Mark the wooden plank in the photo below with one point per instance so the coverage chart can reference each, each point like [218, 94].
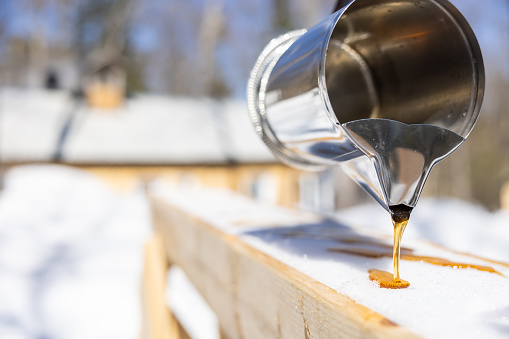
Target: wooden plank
[157, 320]
[504, 197]
[257, 296]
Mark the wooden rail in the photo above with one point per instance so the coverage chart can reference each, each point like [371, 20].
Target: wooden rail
[158, 321]
[255, 295]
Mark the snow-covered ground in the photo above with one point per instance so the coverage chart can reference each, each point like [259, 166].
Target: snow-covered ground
[71, 255]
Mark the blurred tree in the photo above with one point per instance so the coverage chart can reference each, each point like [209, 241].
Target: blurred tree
[101, 23]
[479, 168]
[210, 33]
[107, 24]
[282, 18]
[189, 36]
[3, 41]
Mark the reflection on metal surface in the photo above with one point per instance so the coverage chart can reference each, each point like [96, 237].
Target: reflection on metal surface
[384, 88]
[403, 155]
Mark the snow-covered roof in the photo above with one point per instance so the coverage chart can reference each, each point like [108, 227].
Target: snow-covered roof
[147, 130]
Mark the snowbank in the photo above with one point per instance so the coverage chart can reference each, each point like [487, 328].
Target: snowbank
[70, 256]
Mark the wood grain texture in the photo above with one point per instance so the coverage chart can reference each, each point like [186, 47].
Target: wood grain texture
[256, 296]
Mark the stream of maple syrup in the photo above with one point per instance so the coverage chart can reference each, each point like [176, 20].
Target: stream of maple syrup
[400, 215]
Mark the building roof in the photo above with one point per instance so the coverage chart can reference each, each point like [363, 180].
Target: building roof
[147, 130]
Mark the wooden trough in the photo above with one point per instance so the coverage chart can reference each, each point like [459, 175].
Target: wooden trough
[253, 294]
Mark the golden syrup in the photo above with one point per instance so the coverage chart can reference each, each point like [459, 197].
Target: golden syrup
[400, 215]
[407, 255]
[386, 279]
[399, 228]
[448, 263]
[478, 257]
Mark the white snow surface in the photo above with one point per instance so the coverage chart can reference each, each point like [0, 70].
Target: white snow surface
[189, 307]
[442, 302]
[71, 254]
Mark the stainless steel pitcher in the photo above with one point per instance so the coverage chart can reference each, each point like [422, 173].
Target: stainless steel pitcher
[384, 88]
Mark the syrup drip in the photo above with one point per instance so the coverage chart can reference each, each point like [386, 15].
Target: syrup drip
[400, 215]
[399, 228]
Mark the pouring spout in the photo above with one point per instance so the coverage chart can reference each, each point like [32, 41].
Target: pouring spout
[402, 155]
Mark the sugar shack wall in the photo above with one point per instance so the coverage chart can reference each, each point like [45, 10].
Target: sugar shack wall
[273, 183]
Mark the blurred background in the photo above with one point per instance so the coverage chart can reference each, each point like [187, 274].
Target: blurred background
[121, 92]
[162, 82]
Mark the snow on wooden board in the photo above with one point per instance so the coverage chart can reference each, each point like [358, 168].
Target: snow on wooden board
[442, 302]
